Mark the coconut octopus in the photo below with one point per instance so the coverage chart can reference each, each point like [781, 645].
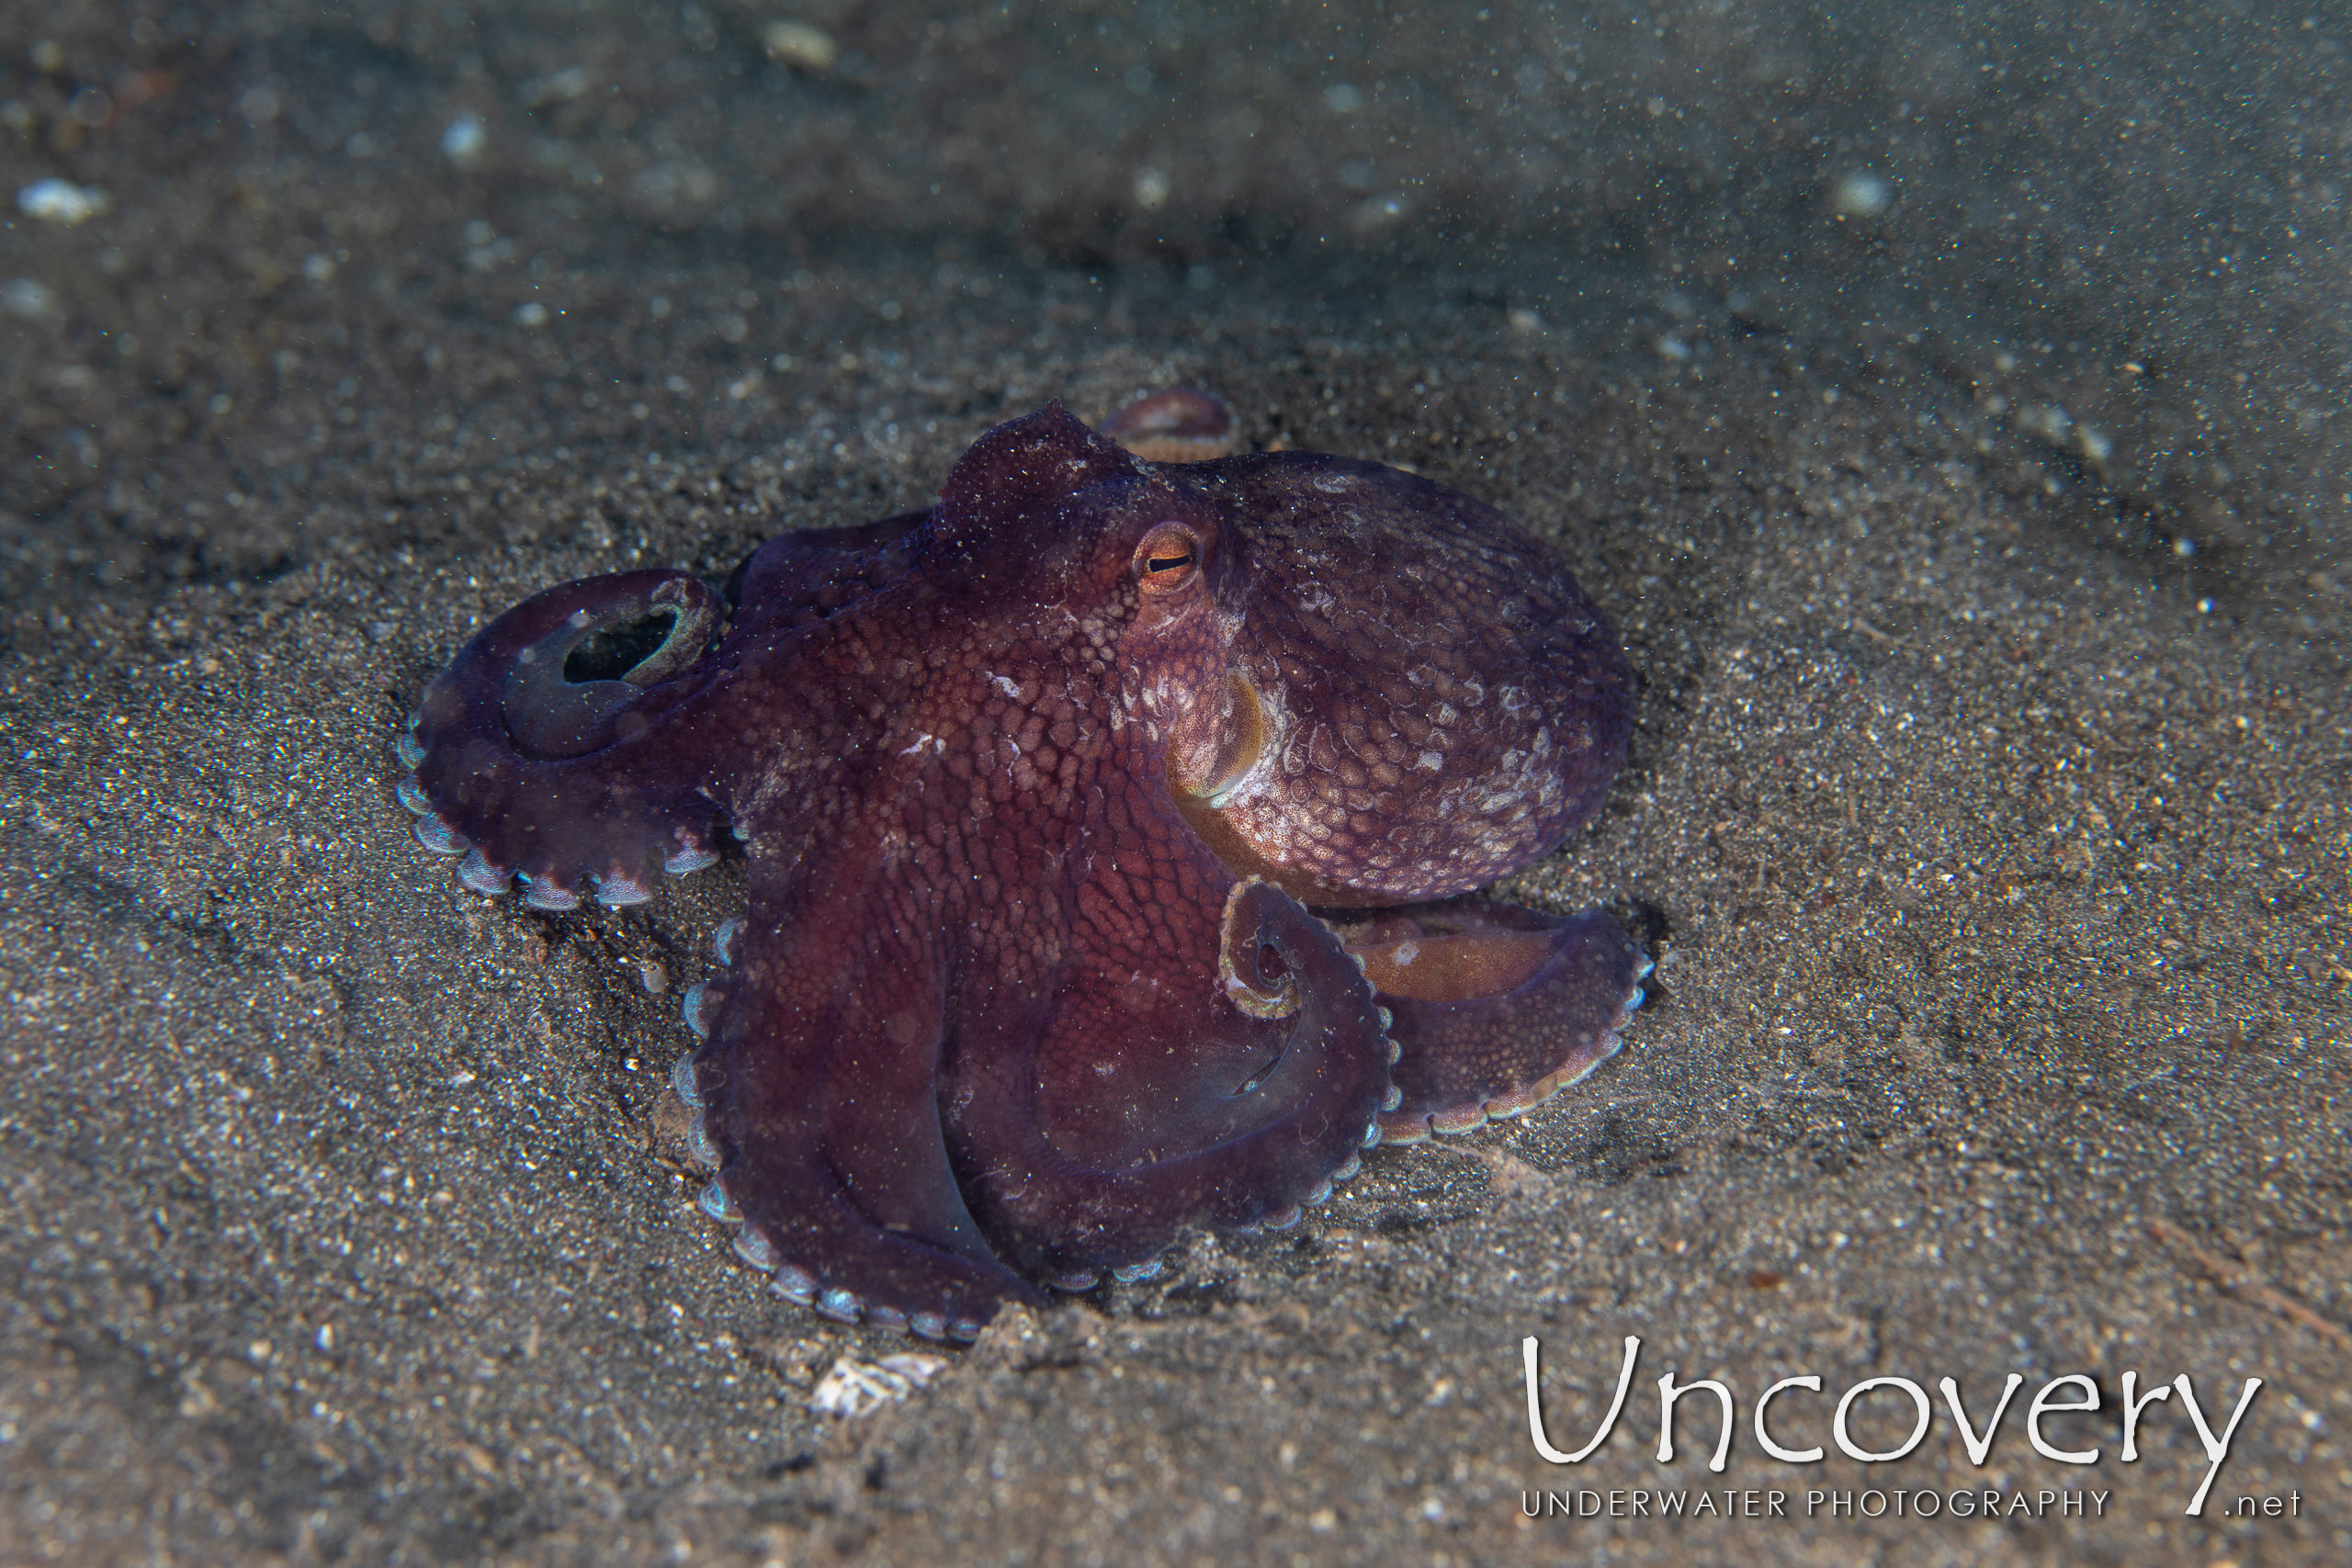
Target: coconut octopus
[1105, 827]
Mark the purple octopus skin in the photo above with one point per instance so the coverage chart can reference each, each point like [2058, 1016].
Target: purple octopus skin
[1104, 826]
[1177, 425]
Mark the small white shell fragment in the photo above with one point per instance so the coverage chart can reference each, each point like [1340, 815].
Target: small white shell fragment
[62, 201]
[797, 43]
[857, 1388]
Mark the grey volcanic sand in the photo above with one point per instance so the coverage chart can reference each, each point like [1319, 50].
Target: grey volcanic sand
[1980, 536]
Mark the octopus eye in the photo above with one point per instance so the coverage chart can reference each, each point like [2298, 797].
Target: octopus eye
[1167, 557]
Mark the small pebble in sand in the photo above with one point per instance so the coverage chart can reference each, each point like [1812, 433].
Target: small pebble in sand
[463, 140]
[2045, 422]
[61, 201]
[557, 87]
[1379, 213]
[798, 44]
[27, 298]
[1860, 194]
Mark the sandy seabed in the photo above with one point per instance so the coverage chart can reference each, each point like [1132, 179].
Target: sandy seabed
[1946, 406]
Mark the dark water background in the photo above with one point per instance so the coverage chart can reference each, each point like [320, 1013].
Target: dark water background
[1947, 402]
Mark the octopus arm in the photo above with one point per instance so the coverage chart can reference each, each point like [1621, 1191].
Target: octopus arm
[573, 742]
[1494, 1007]
[820, 1087]
[1209, 1055]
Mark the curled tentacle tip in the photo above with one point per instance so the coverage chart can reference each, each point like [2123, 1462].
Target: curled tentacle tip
[698, 1145]
[714, 1202]
[681, 1081]
[435, 833]
[1395, 1053]
[410, 750]
[1387, 1021]
[722, 941]
[1395, 1097]
[1349, 1168]
[1135, 1273]
[1320, 1193]
[887, 1317]
[1637, 999]
[839, 1304]
[1241, 970]
[1372, 1136]
[1083, 1279]
[412, 793]
[1282, 1219]
[793, 1283]
[691, 1004]
[965, 1328]
[927, 1324]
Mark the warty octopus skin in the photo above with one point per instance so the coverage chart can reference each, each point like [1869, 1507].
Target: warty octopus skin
[1106, 827]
